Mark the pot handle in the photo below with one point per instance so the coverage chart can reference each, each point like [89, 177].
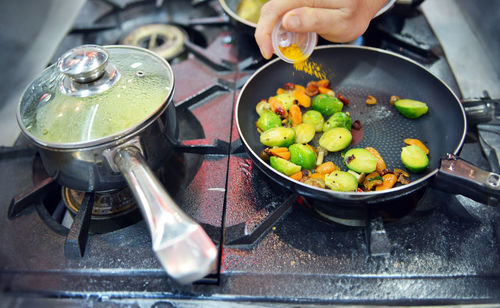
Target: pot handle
[182, 246]
[458, 176]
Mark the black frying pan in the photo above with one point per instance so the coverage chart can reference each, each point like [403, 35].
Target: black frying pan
[357, 72]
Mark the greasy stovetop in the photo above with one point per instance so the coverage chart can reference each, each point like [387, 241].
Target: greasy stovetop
[432, 247]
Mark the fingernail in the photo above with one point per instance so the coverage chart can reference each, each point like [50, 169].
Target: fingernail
[293, 22]
[265, 54]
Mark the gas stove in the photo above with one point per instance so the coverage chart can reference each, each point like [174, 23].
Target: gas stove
[274, 245]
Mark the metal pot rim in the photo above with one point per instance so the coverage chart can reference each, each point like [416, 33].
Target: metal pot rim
[114, 138]
[235, 16]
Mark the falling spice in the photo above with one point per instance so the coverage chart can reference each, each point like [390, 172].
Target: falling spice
[301, 63]
[311, 68]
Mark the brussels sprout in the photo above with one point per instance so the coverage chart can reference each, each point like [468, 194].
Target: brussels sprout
[278, 137]
[268, 120]
[360, 160]
[284, 166]
[262, 106]
[327, 104]
[335, 139]
[315, 118]
[302, 155]
[410, 108]
[316, 182]
[304, 133]
[338, 119]
[286, 99]
[341, 181]
[414, 158]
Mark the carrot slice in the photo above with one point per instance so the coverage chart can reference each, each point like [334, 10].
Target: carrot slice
[295, 115]
[324, 83]
[323, 90]
[299, 88]
[297, 176]
[281, 152]
[380, 161]
[301, 96]
[326, 168]
[317, 176]
[388, 181]
[418, 143]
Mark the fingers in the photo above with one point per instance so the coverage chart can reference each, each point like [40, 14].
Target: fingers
[335, 20]
[339, 23]
[336, 25]
[270, 14]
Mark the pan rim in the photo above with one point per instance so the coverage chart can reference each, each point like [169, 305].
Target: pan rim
[351, 195]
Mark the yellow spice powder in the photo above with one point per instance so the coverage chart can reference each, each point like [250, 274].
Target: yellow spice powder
[301, 63]
[292, 52]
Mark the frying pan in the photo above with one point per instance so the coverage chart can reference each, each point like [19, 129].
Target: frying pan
[357, 72]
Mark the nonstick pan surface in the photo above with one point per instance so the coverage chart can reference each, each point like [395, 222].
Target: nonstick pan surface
[357, 72]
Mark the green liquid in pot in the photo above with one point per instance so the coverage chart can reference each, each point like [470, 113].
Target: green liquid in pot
[132, 100]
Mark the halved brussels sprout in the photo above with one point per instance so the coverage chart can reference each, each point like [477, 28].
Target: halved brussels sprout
[278, 137]
[335, 139]
[360, 160]
[315, 118]
[268, 120]
[338, 119]
[414, 158]
[304, 133]
[327, 104]
[410, 108]
[303, 156]
[284, 166]
[286, 99]
[341, 181]
[262, 106]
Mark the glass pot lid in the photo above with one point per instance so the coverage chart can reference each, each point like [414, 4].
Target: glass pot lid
[95, 94]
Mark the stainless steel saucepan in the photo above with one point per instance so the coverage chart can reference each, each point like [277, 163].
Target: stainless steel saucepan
[102, 118]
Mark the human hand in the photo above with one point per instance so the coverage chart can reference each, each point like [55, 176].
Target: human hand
[334, 20]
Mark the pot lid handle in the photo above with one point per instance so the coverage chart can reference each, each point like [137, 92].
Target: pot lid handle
[84, 63]
[86, 71]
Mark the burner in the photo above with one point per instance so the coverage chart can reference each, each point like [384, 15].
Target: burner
[165, 40]
[106, 204]
[111, 211]
[350, 222]
[357, 215]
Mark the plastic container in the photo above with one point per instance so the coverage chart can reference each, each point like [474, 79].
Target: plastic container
[292, 46]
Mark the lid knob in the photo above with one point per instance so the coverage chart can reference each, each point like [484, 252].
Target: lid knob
[84, 63]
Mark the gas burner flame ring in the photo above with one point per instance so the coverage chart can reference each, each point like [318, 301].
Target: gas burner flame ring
[165, 40]
[105, 204]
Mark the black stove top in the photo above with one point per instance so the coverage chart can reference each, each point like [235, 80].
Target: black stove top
[275, 246]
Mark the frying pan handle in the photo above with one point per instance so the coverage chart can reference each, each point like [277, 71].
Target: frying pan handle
[461, 177]
[182, 246]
